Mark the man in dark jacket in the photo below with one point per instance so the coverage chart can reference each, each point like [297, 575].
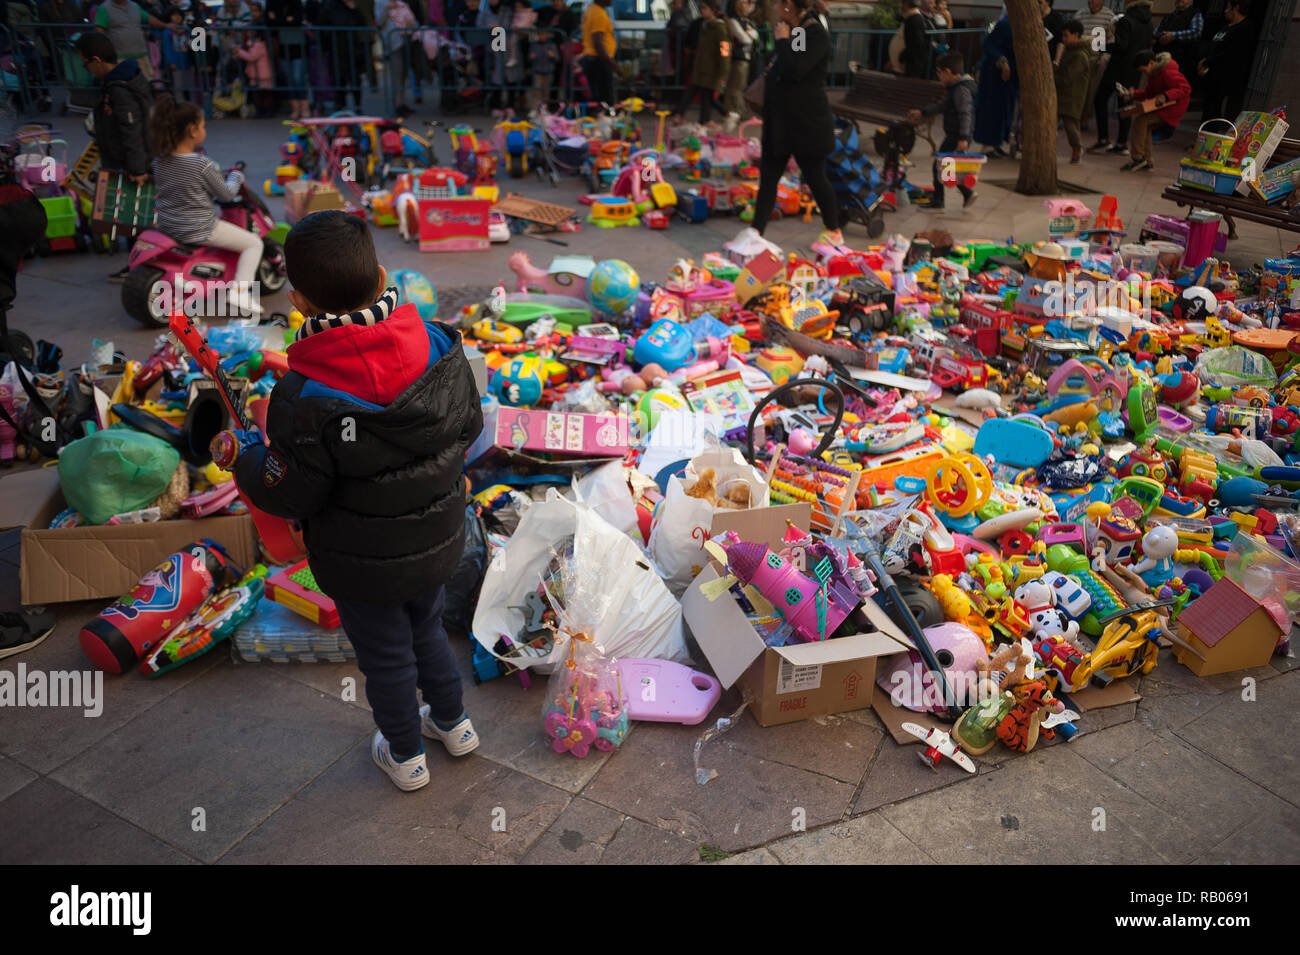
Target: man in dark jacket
[916, 42]
[368, 433]
[1132, 35]
[1226, 68]
[958, 108]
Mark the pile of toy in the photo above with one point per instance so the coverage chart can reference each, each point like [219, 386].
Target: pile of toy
[1026, 467]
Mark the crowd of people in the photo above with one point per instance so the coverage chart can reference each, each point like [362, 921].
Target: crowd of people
[1099, 55]
[316, 55]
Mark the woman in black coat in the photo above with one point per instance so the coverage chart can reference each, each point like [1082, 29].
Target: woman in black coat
[797, 118]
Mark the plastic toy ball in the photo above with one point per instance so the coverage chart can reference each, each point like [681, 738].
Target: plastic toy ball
[518, 382]
[612, 286]
[801, 442]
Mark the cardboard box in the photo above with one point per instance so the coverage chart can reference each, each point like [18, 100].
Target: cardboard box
[478, 365]
[454, 225]
[302, 197]
[104, 562]
[787, 683]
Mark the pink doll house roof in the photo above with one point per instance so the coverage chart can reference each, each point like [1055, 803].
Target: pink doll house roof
[744, 558]
[1066, 207]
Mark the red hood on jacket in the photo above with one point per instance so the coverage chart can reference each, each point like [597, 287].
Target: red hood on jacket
[1168, 79]
[375, 363]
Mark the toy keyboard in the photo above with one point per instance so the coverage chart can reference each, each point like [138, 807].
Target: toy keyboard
[296, 588]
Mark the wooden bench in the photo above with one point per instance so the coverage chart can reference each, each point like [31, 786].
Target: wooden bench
[1241, 207]
[883, 98]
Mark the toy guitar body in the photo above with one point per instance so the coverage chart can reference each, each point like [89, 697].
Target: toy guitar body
[939, 744]
[281, 539]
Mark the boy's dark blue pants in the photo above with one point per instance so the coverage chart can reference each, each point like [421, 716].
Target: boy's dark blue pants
[401, 647]
[948, 145]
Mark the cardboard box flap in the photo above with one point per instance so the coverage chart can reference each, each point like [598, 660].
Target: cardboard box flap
[840, 648]
[883, 622]
[721, 629]
[25, 493]
[766, 525]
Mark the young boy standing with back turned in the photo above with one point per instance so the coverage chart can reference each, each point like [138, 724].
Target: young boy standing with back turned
[368, 433]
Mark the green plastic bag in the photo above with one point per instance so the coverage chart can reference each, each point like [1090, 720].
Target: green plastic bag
[115, 471]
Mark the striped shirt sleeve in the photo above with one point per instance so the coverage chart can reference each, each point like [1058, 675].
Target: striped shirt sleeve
[1193, 32]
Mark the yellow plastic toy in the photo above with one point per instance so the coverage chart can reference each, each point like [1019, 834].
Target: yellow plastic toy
[958, 485]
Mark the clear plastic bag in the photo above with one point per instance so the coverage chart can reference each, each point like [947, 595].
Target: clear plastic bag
[585, 703]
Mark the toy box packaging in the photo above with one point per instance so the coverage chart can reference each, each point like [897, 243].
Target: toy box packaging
[1274, 184]
[100, 561]
[556, 432]
[1258, 136]
[1209, 177]
[787, 683]
[454, 225]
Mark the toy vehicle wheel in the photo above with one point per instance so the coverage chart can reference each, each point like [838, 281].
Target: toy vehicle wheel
[270, 271]
[923, 604]
[139, 299]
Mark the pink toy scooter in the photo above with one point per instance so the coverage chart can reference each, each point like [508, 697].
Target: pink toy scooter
[159, 264]
[660, 691]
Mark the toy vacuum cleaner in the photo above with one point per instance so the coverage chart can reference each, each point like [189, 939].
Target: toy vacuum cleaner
[125, 631]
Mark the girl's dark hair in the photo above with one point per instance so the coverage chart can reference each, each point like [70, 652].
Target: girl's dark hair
[170, 121]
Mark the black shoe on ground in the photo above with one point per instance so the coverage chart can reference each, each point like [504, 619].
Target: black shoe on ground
[121, 274]
[22, 631]
[1100, 146]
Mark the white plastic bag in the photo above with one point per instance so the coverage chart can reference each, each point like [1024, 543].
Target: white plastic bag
[605, 490]
[682, 523]
[642, 618]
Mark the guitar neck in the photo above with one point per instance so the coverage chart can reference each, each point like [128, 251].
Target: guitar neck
[197, 346]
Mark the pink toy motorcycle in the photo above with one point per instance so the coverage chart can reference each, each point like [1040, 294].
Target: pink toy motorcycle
[161, 267]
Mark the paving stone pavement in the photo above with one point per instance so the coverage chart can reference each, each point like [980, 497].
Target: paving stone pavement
[228, 762]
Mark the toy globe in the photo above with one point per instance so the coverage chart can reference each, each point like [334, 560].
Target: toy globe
[612, 286]
[1195, 303]
[518, 382]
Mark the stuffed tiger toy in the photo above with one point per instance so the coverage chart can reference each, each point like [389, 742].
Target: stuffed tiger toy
[1019, 729]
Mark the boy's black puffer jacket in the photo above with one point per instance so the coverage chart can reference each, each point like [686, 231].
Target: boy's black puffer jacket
[368, 433]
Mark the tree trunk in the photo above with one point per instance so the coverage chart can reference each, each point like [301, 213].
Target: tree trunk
[1037, 99]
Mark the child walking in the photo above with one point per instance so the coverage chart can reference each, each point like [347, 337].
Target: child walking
[1072, 79]
[958, 108]
[187, 182]
[368, 434]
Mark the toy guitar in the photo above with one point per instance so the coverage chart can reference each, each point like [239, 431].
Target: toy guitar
[281, 539]
[938, 743]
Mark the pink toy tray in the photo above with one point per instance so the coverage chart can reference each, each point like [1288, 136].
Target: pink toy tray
[660, 691]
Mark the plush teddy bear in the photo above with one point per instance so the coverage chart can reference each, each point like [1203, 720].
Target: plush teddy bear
[1011, 662]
